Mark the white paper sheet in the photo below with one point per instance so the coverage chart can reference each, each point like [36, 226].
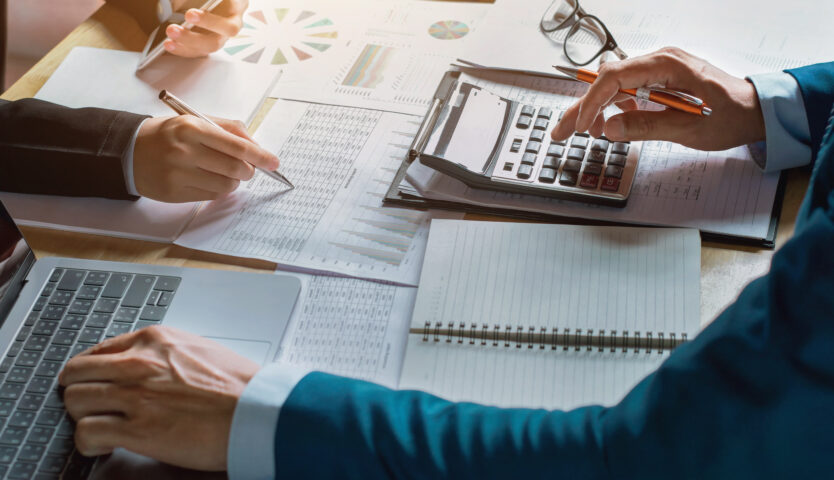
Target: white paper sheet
[716, 192]
[395, 63]
[531, 276]
[349, 327]
[342, 161]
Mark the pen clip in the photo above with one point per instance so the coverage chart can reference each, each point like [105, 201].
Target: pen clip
[683, 96]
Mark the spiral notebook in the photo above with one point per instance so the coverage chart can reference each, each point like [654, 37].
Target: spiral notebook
[549, 316]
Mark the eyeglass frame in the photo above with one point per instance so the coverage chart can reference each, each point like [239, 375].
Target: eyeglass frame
[576, 17]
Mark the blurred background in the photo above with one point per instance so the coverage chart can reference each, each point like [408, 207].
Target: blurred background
[35, 26]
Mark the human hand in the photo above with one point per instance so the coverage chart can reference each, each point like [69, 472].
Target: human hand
[159, 392]
[211, 29]
[186, 159]
[736, 117]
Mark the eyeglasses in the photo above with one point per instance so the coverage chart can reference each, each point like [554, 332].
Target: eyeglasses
[587, 37]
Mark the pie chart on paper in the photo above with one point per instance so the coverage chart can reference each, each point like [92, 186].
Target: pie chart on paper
[448, 30]
[281, 36]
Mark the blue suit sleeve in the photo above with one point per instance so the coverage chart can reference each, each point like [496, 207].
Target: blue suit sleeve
[817, 85]
[750, 397]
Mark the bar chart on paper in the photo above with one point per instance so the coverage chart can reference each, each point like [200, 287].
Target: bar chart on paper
[342, 161]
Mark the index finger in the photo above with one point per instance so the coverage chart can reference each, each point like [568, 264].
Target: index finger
[236, 147]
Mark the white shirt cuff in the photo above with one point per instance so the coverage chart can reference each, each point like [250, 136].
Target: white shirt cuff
[788, 136]
[127, 162]
[251, 453]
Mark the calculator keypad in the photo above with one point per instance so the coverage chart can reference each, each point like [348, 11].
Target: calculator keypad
[580, 164]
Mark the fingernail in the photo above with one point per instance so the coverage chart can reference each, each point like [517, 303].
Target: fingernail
[193, 15]
[169, 45]
[174, 31]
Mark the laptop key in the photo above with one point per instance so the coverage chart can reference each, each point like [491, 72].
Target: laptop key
[71, 280]
[12, 436]
[154, 314]
[107, 305]
[89, 292]
[7, 454]
[117, 329]
[6, 407]
[11, 391]
[40, 303]
[81, 307]
[61, 297]
[31, 452]
[22, 419]
[99, 320]
[6, 364]
[66, 428]
[126, 315]
[73, 322]
[61, 446]
[48, 369]
[56, 353]
[53, 464]
[138, 291]
[78, 348]
[91, 335]
[165, 299]
[39, 385]
[117, 285]
[36, 343]
[53, 312]
[32, 319]
[56, 274]
[31, 401]
[23, 334]
[154, 297]
[40, 435]
[65, 337]
[96, 278]
[45, 327]
[48, 289]
[53, 399]
[15, 349]
[50, 417]
[142, 324]
[19, 374]
[22, 470]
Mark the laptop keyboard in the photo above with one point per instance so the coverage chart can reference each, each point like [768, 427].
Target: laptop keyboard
[76, 310]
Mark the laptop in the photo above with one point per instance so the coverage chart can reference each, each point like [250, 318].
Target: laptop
[54, 308]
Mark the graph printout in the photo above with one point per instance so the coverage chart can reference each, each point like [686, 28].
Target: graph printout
[342, 160]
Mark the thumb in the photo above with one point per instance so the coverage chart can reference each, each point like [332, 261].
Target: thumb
[667, 125]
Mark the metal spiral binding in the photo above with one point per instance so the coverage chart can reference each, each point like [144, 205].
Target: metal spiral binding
[567, 339]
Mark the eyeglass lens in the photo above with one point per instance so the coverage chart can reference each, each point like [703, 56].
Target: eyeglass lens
[585, 41]
[561, 14]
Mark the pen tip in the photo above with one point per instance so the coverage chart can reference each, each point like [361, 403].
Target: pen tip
[163, 94]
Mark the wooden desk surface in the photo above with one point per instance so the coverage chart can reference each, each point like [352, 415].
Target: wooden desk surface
[724, 269]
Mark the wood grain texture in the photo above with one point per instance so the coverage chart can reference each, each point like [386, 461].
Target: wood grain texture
[725, 269]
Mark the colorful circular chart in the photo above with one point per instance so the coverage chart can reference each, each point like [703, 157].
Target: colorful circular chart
[448, 30]
[281, 36]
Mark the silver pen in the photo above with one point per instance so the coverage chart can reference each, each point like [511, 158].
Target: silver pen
[183, 108]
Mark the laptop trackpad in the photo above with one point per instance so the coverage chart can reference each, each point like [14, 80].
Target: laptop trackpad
[252, 349]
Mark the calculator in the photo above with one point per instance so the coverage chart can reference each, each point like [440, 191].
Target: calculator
[493, 143]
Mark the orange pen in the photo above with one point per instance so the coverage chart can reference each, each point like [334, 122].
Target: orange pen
[669, 98]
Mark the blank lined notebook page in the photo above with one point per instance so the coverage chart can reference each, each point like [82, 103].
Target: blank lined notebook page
[497, 280]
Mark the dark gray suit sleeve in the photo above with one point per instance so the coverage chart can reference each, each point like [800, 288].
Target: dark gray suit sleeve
[51, 149]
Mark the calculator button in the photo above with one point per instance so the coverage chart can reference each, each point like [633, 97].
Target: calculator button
[555, 150]
[610, 184]
[582, 134]
[516, 146]
[596, 157]
[568, 178]
[508, 167]
[524, 122]
[524, 171]
[620, 147]
[545, 112]
[579, 142]
[547, 175]
[551, 162]
[576, 154]
[589, 181]
[559, 142]
[528, 159]
[593, 169]
[617, 159]
[572, 166]
[533, 147]
[541, 124]
[537, 135]
[600, 145]
[614, 171]
[528, 110]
